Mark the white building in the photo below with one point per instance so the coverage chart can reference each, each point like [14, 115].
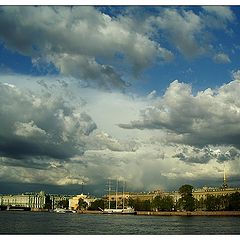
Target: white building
[31, 200]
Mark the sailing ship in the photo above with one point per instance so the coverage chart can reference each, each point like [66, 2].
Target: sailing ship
[123, 210]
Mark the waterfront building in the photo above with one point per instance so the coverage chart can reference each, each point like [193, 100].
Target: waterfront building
[198, 194]
[32, 200]
[74, 201]
[57, 200]
[206, 191]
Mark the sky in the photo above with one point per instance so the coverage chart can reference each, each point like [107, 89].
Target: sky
[143, 94]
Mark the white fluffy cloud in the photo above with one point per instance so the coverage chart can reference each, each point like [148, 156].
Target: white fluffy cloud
[161, 156]
[223, 12]
[209, 117]
[100, 50]
[183, 29]
[80, 41]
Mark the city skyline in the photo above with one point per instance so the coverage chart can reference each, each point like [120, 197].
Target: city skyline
[149, 95]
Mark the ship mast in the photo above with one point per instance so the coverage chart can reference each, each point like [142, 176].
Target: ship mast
[123, 193]
[116, 192]
[109, 190]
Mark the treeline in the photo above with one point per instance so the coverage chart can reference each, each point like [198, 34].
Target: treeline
[187, 202]
[229, 202]
[219, 203]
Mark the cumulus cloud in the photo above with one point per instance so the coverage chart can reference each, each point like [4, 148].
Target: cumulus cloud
[49, 135]
[99, 49]
[191, 154]
[28, 130]
[209, 117]
[183, 29]
[187, 30]
[221, 58]
[223, 12]
[40, 125]
[79, 41]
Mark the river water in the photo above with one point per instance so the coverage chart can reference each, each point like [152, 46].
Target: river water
[13, 222]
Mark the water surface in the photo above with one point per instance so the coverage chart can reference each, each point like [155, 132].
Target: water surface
[90, 224]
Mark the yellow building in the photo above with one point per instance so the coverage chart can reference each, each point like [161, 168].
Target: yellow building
[205, 191]
[74, 201]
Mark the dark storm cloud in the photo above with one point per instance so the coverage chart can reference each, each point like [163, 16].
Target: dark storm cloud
[38, 163]
[46, 126]
[210, 117]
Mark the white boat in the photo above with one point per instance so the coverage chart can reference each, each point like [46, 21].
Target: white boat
[128, 210]
[61, 210]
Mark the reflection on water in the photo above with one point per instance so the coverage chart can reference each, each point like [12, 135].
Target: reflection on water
[53, 223]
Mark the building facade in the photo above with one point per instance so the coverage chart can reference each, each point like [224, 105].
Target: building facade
[74, 201]
[206, 191]
[32, 200]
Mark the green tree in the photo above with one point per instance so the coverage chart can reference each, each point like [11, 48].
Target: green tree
[211, 203]
[63, 204]
[234, 202]
[48, 202]
[131, 202]
[99, 203]
[82, 205]
[140, 205]
[200, 204]
[146, 205]
[156, 203]
[187, 200]
[165, 203]
[224, 202]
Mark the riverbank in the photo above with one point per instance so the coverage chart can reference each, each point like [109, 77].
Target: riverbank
[151, 213]
[195, 213]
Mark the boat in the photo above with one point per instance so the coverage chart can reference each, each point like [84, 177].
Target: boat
[61, 210]
[128, 210]
[123, 210]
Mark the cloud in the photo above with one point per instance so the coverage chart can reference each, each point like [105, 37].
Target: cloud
[53, 123]
[209, 117]
[221, 58]
[183, 28]
[101, 140]
[189, 31]
[223, 12]
[28, 130]
[80, 41]
[47, 134]
[40, 125]
[217, 17]
[107, 51]
[190, 154]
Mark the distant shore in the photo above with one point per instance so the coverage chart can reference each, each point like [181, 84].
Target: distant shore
[153, 213]
[195, 213]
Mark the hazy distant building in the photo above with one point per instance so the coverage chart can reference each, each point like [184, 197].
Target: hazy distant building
[32, 200]
[206, 191]
[198, 194]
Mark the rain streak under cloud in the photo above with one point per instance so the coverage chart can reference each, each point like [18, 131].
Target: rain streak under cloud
[145, 94]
